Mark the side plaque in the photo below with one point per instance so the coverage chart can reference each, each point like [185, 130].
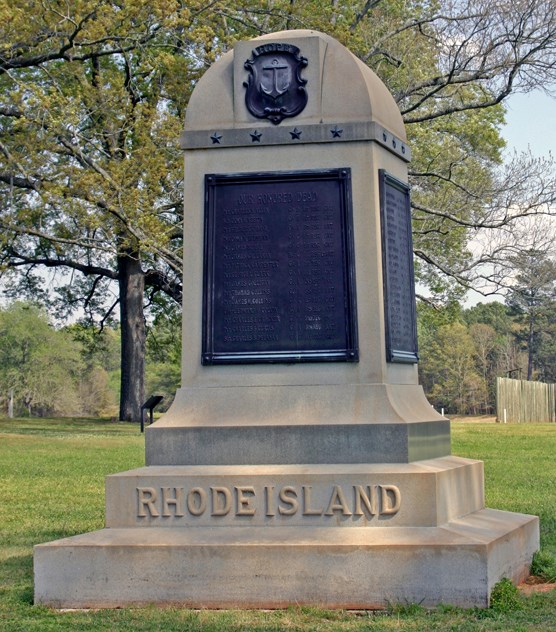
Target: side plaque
[397, 270]
[279, 280]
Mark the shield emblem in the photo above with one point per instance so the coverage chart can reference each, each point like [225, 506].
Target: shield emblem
[275, 89]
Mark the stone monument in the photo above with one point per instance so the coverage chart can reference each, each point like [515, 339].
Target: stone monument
[300, 462]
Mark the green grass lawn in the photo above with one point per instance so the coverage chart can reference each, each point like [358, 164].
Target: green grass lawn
[52, 485]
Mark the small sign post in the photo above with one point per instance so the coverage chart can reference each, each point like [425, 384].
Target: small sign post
[150, 405]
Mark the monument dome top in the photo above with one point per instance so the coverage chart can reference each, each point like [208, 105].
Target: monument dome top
[339, 88]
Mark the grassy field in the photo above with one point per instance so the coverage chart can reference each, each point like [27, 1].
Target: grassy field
[52, 486]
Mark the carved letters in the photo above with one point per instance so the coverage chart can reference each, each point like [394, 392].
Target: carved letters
[268, 500]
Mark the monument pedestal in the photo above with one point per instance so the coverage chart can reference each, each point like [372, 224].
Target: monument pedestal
[342, 536]
[316, 423]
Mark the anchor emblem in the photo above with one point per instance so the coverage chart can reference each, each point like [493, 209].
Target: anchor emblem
[277, 77]
[275, 89]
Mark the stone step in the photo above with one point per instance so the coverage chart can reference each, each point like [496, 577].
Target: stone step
[257, 567]
[424, 493]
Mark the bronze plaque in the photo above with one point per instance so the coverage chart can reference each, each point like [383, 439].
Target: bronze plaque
[279, 280]
[397, 270]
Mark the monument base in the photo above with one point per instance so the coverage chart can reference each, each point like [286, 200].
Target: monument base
[363, 423]
[258, 567]
[336, 536]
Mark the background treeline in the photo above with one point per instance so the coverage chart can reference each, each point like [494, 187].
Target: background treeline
[462, 352]
[74, 370]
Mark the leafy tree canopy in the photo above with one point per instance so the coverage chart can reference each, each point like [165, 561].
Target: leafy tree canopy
[532, 299]
[92, 99]
[39, 366]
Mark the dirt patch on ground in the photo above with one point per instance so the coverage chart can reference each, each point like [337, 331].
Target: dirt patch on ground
[535, 584]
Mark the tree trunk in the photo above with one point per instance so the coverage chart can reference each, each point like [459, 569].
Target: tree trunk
[530, 342]
[132, 283]
[11, 403]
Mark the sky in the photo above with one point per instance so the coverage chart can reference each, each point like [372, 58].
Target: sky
[530, 124]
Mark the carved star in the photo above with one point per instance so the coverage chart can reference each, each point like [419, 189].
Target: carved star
[216, 138]
[255, 137]
[296, 133]
[336, 133]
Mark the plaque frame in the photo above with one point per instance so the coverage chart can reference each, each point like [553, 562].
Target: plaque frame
[394, 351]
[211, 352]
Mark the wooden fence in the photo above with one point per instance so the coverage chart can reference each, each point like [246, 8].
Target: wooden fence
[525, 402]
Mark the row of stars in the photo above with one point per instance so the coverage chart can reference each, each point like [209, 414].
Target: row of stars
[394, 142]
[295, 134]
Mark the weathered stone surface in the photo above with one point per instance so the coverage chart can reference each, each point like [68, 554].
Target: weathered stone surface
[257, 567]
[341, 88]
[356, 443]
[423, 494]
[367, 423]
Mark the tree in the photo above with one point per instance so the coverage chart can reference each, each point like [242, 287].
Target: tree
[497, 351]
[461, 192]
[100, 354]
[532, 298]
[92, 175]
[92, 96]
[495, 314]
[449, 371]
[39, 366]
[485, 345]
[491, 335]
[449, 66]
[546, 347]
[430, 318]
[163, 366]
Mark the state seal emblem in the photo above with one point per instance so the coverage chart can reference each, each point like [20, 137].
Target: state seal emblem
[275, 89]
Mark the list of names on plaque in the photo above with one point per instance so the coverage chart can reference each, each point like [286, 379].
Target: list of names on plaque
[279, 268]
[399, 284]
